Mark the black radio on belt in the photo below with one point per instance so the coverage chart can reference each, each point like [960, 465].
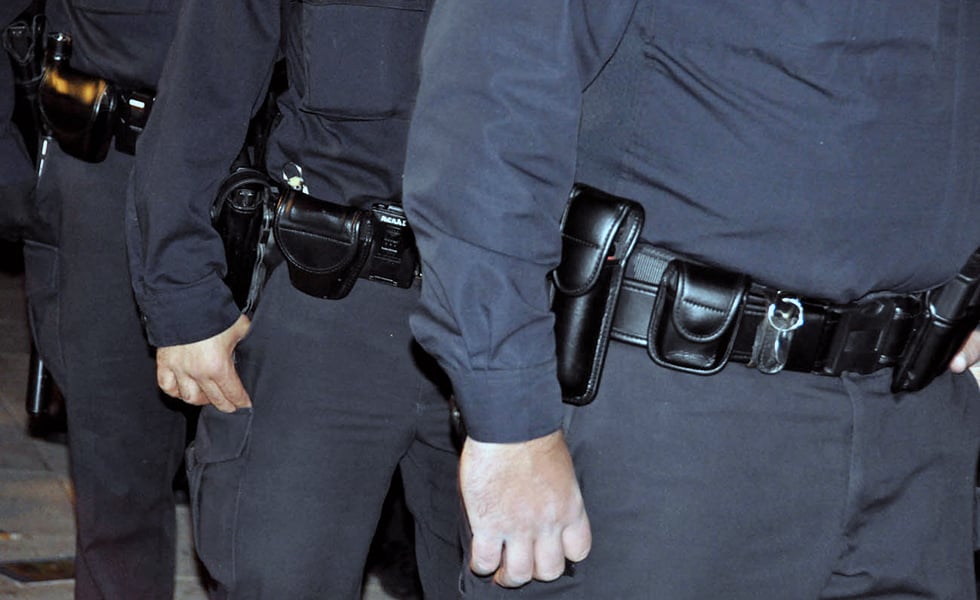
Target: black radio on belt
[84, 112]
[328, 246]
[394, 259]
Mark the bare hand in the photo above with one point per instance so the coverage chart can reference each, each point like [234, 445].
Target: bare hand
[968, 357]
[525, 509]
[204, 372]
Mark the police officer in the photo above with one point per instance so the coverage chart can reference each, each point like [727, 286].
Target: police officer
[16, 170]
[125, 440]
[309, 415]
[800, 162]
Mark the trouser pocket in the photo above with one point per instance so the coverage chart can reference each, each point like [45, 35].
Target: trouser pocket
[41, 275]
[376, 74]
[215, 467]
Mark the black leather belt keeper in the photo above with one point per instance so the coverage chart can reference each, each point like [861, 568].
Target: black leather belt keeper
[84, 112]
[697, 318]
[328, 246]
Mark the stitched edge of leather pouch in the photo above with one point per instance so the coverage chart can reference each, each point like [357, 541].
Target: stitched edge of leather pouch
[598, 233]
[325, 244]
[695, 317]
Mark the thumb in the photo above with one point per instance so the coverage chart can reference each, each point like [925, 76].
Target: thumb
[238, 331]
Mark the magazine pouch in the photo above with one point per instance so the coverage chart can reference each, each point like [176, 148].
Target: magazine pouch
[696, 316]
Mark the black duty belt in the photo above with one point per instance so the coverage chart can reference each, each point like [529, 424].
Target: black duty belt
[817, 337]
[697, 318]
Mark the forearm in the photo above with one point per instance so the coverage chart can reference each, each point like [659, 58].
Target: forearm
[214, 80]
[491, 161]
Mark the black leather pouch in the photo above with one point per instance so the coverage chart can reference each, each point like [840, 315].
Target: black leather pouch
[325, 244]
[695, 317]
[78, 109]
[598, 233]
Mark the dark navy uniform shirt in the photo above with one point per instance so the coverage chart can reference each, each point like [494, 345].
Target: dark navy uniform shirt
[124, 41]
[353, 72]
[827, 148]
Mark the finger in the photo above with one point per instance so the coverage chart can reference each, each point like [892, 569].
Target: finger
[216, 391]
[485, 554]
[190, 392]
[241, 327]
[214, 395]
[549, 558]
[576, 539]
[968, 355]
[230, 387]
[220, 403]
[516, 564]
[167, 380]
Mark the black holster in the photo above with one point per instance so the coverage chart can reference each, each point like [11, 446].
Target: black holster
[328, 246]
[950, 314]
[242, 216]
[598, 233]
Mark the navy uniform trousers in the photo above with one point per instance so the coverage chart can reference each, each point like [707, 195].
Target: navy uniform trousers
[286, 495]
[748, 486]
[125, 442]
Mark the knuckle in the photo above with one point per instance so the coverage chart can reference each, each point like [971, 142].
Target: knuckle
[485, 555]
[165, 378]
[483, 565]
[511, 579]
[517, 574]
[550, 573]
[577, 554]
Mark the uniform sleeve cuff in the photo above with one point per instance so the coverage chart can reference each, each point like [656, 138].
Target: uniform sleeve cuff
[190, 314]
[509, 406]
